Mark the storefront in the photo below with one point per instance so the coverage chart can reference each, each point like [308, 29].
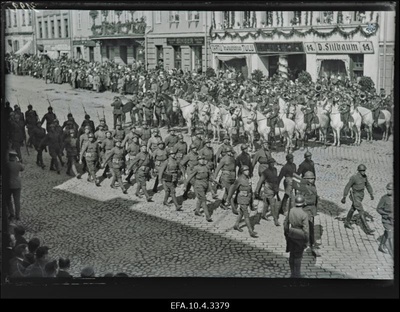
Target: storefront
[186, 53]
[340, 58]
[122, 51]
[86, 49]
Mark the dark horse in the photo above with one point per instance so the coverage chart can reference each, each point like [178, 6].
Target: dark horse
[173, 118]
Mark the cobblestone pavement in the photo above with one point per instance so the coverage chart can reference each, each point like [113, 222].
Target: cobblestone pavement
[114, 232]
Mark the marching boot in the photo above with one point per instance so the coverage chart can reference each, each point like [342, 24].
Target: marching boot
[251, 231]
[264, 212]
[197, 210]
[52, 165]
[275, 213]
[291, 264]
[297, 268]
[368, 230]
[206, 212]
[128, 178]
[382, 246]
[348, 219]
[155, 187]
[283, 208]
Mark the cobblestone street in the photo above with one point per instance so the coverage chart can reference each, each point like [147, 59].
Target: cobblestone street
[114, 232]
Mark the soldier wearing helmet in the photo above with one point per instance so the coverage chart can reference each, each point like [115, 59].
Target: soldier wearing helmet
[31, 118]
[133, 149]
[187, 165]
[243, 186]
[306, 186]
[385, 209]
[152, 143]
[221, 152]
[296, 230]
[168, 174]
[117, 110]
[208, 152]
[38, 134]
[356, 187]
[71, 144]
[306, 165]
[201, 176]
[119, 133]
[244, 159]
[287, 171]
[54, 142]
[180, 148]
[261, 157]
[49, 118]
[228, 176]
[105, 148]
[91, 151]
[117, 163]
[159, 156]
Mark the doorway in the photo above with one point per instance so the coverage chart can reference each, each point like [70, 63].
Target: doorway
[123, 53]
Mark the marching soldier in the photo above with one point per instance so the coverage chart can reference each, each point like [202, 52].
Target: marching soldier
[72, 148]
[357, 184]
[53, 141]
[31, 118]
[168, 174]
[119, 133]
[245, 199]
[148, 108]
[202, 175]
[296, 229]
[159, 111]
[221, 152]
[198, 141]
[385, 209]
[261, 157]
[180, 148]
[307, 188]
[91, 151]
[129, 137]
[208, 152]
[152, 143]
[83, 139]
[287, 171]
[116, 155]
[139, 107]
[49, 117]
[187, 165]
[171, 139]
[133, 149]
[100, 134]
[106, 146]
[142, 164]
[17, 135]
[269, 178]
[88, 123]
[38, 134]
[244, 159]
[117, 111]
[146, 133]
[228, 175]
[306, 165]
[159, 156]
[103, 123]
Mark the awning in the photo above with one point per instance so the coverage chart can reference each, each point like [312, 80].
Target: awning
[230, 57]
[27, 48]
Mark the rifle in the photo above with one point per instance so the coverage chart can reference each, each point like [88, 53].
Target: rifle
[48, 100]
[98, 116]
[69, 109]
[84, 110]
[104, 115]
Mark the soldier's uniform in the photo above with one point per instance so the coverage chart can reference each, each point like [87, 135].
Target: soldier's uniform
[168, 174]
[228, 176]
[208, 153]
[306, 165]
[72, 148]
[148, 109]
[159, 111]
[180, 148]
[49, 117]
[106, 146]
[243, 186]
[171, 140]
[146, 134]
[159, 156]
[142, 165]
[244, 159]
[133, 149]
[385, 209]
[17, 134]
[198, 142]
[152, 143]
[83, 139]
[100, 135]
[261, 156]
[116, 156]
[117, 111]
[119, 133]
[38, 134]
[202, 176]
[103, 123]
[31, 118]
[91, 151]
[287, 171]
[189, 161]
[221, 152]
[53, 141]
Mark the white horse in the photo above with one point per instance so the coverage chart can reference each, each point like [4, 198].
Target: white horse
[226, 122]
[249, 118]
[296, 113]
[387, 121]
[287, 131]
[336, 122]
[187, 109]
[355, 125]
[367, 120]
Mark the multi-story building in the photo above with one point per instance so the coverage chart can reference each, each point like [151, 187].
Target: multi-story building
[19, 36]
[179, 39]
[53, 32]
[120, 34]
[321, 42]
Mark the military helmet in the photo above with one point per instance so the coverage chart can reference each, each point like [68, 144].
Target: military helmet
[244, 168]
[299, 201]
[87, 128]
[271, 160]
[229, 149]
[90, 135]
[180, 135]
[361, 167]
[192, 147]
[71, 131]
[161, 143]
[200, 157]
[244, 146]
[289, 156]
[171, 152]
[307, 154]
[389, 186]
[309, 175]
[143, 144]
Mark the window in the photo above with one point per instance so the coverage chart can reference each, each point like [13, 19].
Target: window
[247, 19]
[229, 19]
[46, 30]
[197, 61]
[15, 19]
[174, 16]
[108, 52]
[160, 56]
[359, 16]
[9, 18]
[297, 18]
[268, 18]
[193, 16]
[158, 17]
[91, 54]
[79, 20]
[40, 30]
[177, 57]
[53, 34]
[59, 29]
[29, 18]
[23, 17]
[16, 45]
[66, 27]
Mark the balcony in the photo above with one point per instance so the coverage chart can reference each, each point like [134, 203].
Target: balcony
[119, 29]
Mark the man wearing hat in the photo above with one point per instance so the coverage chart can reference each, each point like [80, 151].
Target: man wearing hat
[244, 159]
[357, 185]
[49, 118]
[296, 230]
[202, 177]
[152, 143]
[198, 140]
[31, 118]
[221, 152]
[119, 133]
[243, 186]
[180, 148]
[132, 149]
[168, 174]
[187, 165]
[146, 133]
[53, 141]
[159, 156]
[105, 148]
[208, 152]
[13, 168]
[116, 156]
[38, 134]
[148, 104]
[100, 134]
[306, 186]
[269, 178]
[306, 165]
[103, 123]
[91, 151]
[71, 145]
[117, 111]
[171, 139]
[287, 171]
[141, 166]
[228, 176]
[261, 157]
[385, 209]
[87, 123]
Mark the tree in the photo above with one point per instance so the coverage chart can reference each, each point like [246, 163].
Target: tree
[210, 72]
[257, 75]
[366, 83]
[93, 14]
[105, 14]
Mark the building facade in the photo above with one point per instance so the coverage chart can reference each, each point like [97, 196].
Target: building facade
[321, 42]
[19, 35]
[179, 39]
[54, 33]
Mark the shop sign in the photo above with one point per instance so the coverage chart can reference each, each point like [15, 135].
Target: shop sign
[233, 48]
[185, 41]
[339, 47]
[279, 47]
[87, 43]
